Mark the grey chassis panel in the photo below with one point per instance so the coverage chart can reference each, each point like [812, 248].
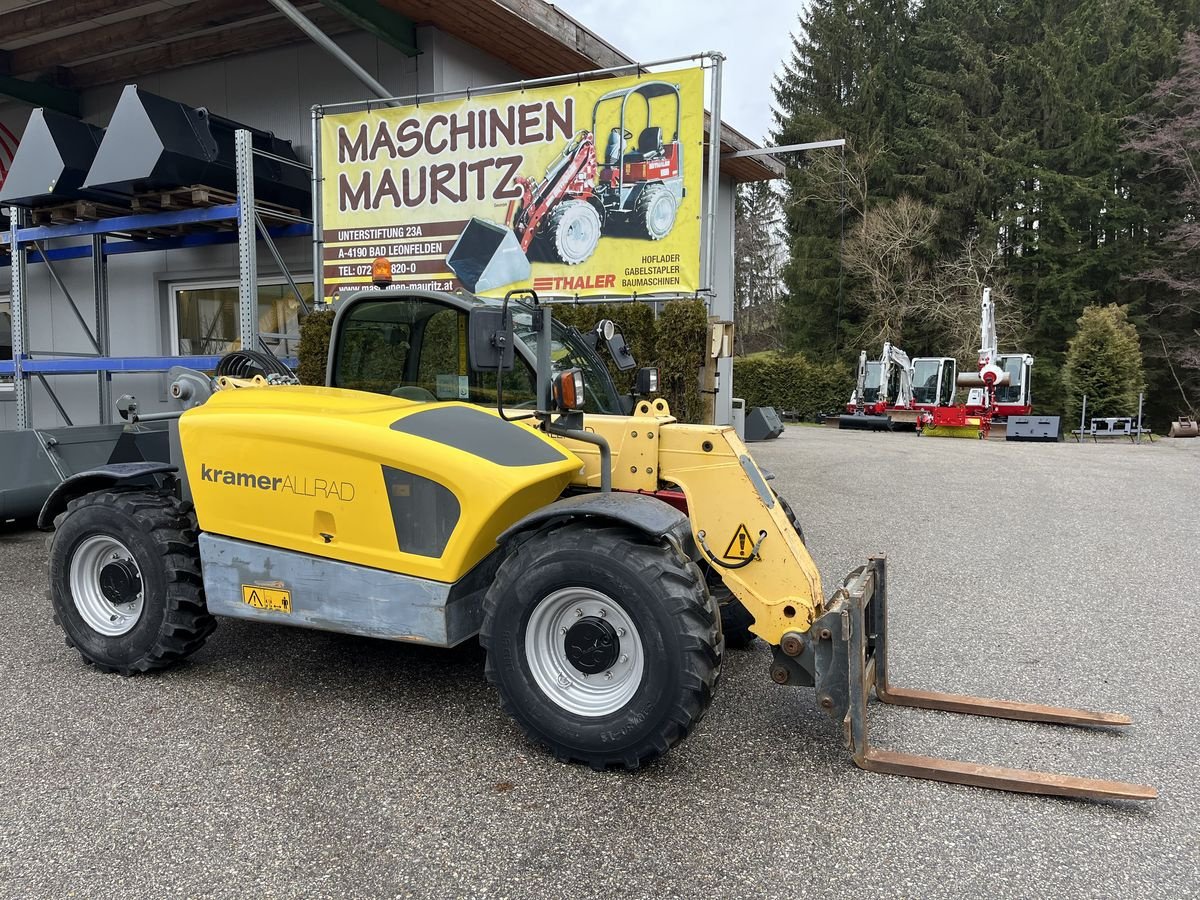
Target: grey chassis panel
[647, 514]
[93, 480]
[28, 475]
[329, 595]
[35, 462]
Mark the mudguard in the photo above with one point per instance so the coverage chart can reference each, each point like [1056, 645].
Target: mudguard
[93, 480]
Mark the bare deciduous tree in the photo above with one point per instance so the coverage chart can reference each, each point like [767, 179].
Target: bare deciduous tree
[954, 296]
[887, 252]
[902, 284]
[1169, 136]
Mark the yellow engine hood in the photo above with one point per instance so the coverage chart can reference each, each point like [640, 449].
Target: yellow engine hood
[418, 488]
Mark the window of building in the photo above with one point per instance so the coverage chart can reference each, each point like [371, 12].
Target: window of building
[6, 351]
[5, 328]
[204, 317]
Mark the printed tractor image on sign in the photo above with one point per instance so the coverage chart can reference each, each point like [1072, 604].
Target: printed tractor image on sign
[637, 190]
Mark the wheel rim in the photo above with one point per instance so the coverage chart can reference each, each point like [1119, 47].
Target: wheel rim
[567, 653]
[661, 215]
[106, 585]
[579, 233]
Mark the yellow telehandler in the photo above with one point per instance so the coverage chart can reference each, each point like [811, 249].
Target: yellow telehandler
[469, 470]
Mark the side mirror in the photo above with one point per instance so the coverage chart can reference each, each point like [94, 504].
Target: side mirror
[620, 352]
[490, 339]
[606, 330]
[646, 381]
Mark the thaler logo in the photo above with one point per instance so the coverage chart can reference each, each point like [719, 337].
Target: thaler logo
[574, 282]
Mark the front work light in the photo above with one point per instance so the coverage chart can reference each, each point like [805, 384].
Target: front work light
[646, 381]
[567, 388]
[381, 272]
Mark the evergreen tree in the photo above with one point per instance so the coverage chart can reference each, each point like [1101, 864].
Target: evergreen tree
[759, 253]
[947, 151]
[1071, 225]
[1011, 121]
[845, 79]
[1103, 363]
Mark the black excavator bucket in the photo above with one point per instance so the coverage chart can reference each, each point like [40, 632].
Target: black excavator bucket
[52, 161]
[855, 624]
[154, 143]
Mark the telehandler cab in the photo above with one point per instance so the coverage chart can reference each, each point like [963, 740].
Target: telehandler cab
[465, 474]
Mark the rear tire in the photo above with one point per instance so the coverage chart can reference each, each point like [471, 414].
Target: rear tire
[605, 647]
[654, 213]
[125, 581]
[572, 232]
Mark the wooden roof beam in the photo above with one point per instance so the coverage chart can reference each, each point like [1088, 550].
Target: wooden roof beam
[233, 41]
[121, 37]
[31, 21]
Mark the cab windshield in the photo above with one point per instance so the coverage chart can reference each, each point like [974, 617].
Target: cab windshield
[1011, 392]
[416, 348]
[925, 380]
[568, 351]
[871, 382]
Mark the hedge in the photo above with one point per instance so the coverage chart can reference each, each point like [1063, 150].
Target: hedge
[674, 342]
[680, 340]
[793, 385]
[314, 346]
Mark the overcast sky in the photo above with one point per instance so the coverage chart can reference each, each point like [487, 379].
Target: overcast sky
[754, 35]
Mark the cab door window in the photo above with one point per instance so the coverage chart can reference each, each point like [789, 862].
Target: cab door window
[443, 369]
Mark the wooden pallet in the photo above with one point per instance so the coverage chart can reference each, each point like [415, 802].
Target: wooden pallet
[198, 196]
[75, 211]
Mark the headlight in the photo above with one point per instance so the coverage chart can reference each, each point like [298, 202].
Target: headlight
[568, 390]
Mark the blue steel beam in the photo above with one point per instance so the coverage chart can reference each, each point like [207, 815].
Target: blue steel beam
[139, 222]
[84, 251]
[93, 364]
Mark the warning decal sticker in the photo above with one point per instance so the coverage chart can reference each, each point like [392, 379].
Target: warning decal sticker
[741, 546]
[267, 598]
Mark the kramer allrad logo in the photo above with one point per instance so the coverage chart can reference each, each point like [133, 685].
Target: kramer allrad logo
[300, 485]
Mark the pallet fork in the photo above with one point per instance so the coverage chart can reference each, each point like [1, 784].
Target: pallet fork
[852, 639]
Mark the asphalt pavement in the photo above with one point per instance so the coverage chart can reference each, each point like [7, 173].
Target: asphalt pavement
[282, 762]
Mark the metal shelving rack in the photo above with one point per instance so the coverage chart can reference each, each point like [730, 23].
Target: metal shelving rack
[118, 235]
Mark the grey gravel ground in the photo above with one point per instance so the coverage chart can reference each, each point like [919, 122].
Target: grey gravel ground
[282, 762]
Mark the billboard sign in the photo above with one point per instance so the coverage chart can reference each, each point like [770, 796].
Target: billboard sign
[588, 188]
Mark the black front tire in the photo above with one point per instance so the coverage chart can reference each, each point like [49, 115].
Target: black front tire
[160, 533]
[649, 584]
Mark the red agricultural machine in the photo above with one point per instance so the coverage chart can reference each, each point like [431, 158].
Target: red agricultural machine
[637, 192]
[999, 389]
[883, 392]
